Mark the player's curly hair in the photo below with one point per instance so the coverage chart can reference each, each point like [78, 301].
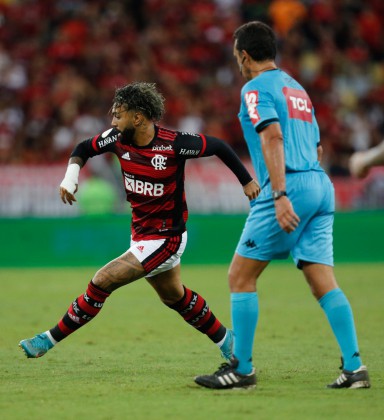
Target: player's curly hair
[143, 97]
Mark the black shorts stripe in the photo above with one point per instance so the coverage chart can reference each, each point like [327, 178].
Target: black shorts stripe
[162, 254]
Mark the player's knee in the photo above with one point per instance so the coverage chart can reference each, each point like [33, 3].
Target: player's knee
[239, 283]
[105, 281]
[170, 297]
[168, 301]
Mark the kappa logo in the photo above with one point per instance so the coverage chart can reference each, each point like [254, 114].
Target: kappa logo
[140, 248]
[126, 156]
[158, 162]
[250, 243]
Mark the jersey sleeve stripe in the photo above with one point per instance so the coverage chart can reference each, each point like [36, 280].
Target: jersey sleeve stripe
[265, 123]
[166, 134]
[94, 145]
[204, 144]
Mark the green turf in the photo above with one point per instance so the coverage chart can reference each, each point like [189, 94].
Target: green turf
[137, 359]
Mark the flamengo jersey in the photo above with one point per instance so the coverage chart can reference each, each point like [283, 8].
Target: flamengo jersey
[153, 177]
[274, 96]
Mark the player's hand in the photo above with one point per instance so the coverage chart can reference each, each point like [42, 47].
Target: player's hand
[358, 165]
[285, 215]
[252, 189]
[66, 196]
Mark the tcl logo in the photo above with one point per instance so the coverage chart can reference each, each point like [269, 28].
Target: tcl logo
[144, 187]
[299, 104]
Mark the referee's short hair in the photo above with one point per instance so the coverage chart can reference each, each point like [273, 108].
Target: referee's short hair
[257, 39]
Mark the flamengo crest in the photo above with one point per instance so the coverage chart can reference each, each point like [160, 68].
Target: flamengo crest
[158, 162]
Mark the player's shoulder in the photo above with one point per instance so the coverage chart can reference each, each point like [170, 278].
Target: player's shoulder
[166, 134]
[106, 138]
[175, 135]
[188, 135]
[254, 85]
[189, 145]
[250, 85]
[290, 82]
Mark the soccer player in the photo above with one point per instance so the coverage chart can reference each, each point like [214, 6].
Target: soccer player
[293, 213]
[152, 160]
[361, 162]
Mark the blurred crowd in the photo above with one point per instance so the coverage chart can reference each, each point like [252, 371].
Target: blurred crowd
[61, 60]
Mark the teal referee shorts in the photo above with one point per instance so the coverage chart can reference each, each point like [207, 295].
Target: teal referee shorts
[313, 199]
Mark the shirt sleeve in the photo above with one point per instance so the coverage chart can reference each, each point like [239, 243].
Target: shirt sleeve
[199, 145]
[97, 145]
[260, 108]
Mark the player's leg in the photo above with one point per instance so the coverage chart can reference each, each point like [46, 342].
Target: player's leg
[243, 275]
[261, 241]
[313, 252]
[119, 272]
[239, 373]
[340, 316]
[192, 307]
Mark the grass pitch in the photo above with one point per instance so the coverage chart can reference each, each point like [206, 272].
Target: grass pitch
[137, 359]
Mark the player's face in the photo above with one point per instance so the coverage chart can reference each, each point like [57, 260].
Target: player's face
[122, 119]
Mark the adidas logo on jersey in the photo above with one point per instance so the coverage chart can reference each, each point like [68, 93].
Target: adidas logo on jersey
[140, 248]
[126, 156]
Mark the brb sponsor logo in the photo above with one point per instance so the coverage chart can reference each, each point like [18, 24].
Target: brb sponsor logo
[143, 187]
[299, 104]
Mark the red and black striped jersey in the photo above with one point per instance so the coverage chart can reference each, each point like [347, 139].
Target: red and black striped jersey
[154, 174]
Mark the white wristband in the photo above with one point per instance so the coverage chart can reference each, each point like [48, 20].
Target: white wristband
[71, 178]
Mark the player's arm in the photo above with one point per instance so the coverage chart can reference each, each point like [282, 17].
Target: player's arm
[223, 151]
[81, 153]
[70, 183]
[199, 146]
[273, 152]
[361, 162]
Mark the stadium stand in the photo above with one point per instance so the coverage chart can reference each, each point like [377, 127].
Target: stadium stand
[60, 62]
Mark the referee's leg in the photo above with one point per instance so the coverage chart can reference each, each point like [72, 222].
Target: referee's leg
[338, 310]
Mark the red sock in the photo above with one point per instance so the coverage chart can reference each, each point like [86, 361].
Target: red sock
[82, 310]
[195, 310]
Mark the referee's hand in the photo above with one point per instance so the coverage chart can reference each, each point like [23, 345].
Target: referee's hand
[285, 214]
